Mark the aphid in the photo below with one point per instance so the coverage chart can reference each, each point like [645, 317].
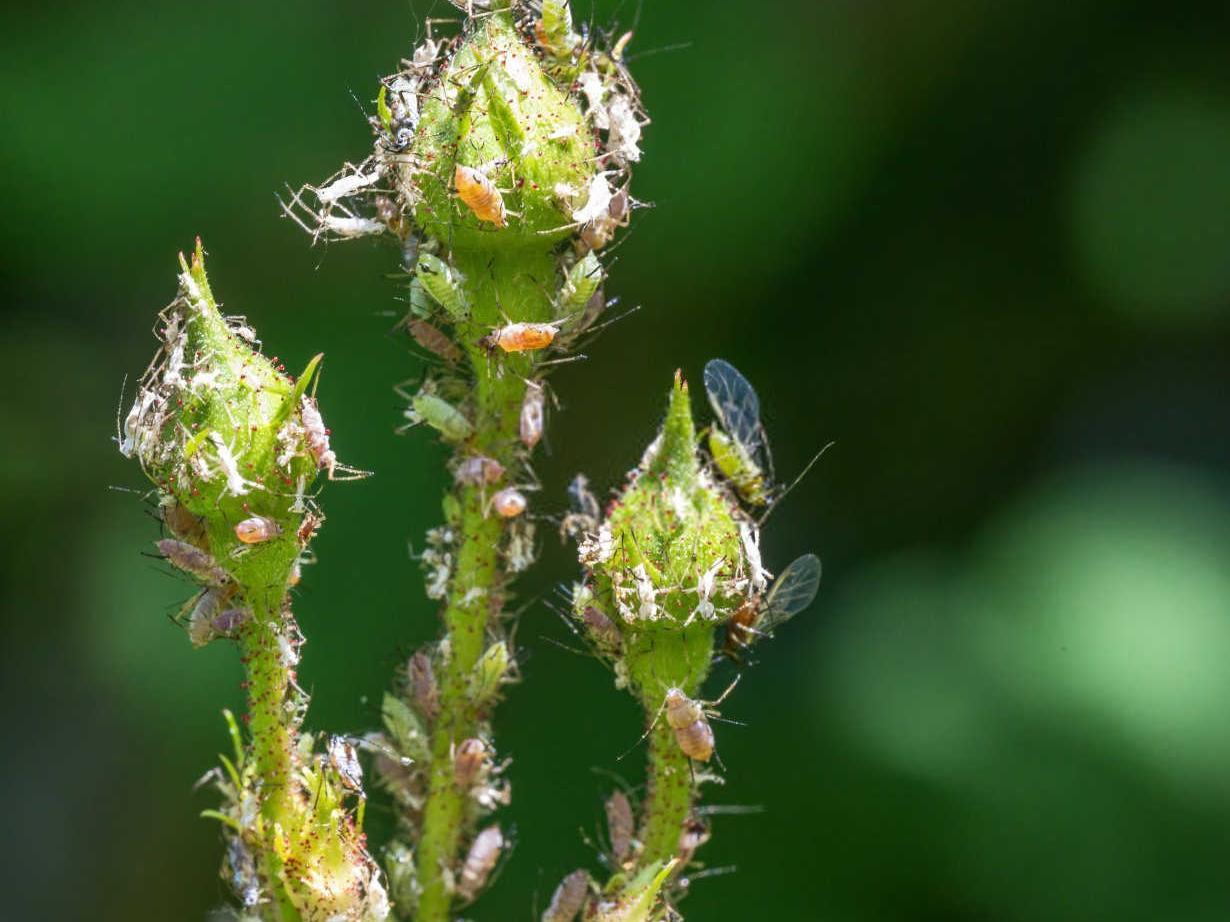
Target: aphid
[469, 761]
[521, 550]
[344, 759]
[584, 514]
[316, 435]
[242, 874]
[344, 186]
[445, 284]
[738, 448]
[483, 854]
[692, 731]
[489, 674]
[193, 560]
[749, 538]
[580, 283]
[603, 633]
[257, 529]
[434, 340]
[235, 482]
[509, 503]
[791, 593]
[646, 594]
[532, 406]
[619, 825]
[520, 337]
[227, 622]
[568, 898]
[477, 470]
[553, 31]
[440, 415]
[480, 195]
[597, 201]
[350, 226]
[182, 523]
[201, 621]
[625, 136]
[311, 522]
[423, 688]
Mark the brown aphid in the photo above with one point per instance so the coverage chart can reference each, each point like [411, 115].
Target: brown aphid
[191, 559]
[477, 470]
[568, 898]
[257, 529]
[311, 522]
[483, 854]
[602, 631]
[520, 337]
[423, 688]
[316, 435]
[469, 760]
[204, 610]
[509, 503]
[480, 195]
[692, 731]
[434, 340]
[619, 826]
[739, 630]
[183, 524]
[532, 414]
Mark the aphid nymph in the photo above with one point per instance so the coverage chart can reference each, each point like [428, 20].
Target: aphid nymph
[257, 529]
[480, 195]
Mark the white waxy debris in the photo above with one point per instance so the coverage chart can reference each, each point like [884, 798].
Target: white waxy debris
[345, 186]
[679, 503]
[757, 574]
[645, 593]
[352, 226]
[518, 70]
[594, 89]
[705, 585]
[597, 548]
[597, 202]
[625, 130]
[235, 481]
[651, 452]
[562, 133]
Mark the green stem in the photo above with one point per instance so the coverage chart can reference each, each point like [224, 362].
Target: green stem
[505, 286]
[669, 798]
[273, 731]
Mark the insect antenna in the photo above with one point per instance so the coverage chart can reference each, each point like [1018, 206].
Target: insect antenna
[794, 483]
[653, 723]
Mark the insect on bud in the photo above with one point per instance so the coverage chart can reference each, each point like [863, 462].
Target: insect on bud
[422, 679]
[257, 529]
[480, 195]
[480, 860]
[404, 728]
[619, 824]
[602, 632]
[509, 503]
[469, 761]
[520, 337]
[692, 731]
[344, 760]
[441, 416]
[192, 560]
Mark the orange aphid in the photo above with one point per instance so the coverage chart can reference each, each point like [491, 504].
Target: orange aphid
[257, 529]
[520, 337]
[480, 195]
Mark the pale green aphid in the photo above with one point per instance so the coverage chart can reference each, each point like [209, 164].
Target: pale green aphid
[580, 284]
[554, 29]
[404, 727]
[738, 451]
[441, 416]
[444, 284]
[489, 674]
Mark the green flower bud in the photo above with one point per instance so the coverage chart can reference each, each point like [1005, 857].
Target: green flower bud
[227, 436]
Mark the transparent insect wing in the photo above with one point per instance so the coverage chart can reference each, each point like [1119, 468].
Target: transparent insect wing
[735, 404]
[792, 592]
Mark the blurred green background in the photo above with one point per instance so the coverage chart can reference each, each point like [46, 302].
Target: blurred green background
[985, 247]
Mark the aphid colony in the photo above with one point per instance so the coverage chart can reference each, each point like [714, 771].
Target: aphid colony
[675, 560]
[402, 759]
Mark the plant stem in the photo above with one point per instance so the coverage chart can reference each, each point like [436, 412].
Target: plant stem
[669, 797]
[506, 285]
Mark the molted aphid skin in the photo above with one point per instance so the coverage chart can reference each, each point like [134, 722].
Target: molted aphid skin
[692, 731]
[520, 337]
[241, 873]
[344, 760]
[480, 195]
[568, 899]
[509, 503]
[469, 761]
[483, 854]
[694, 834]
[317, 435]
[531, 422]
[423, 688]
[257, 530]
[193, 560]
[478, 470]
[620, 825]
[602, 631]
